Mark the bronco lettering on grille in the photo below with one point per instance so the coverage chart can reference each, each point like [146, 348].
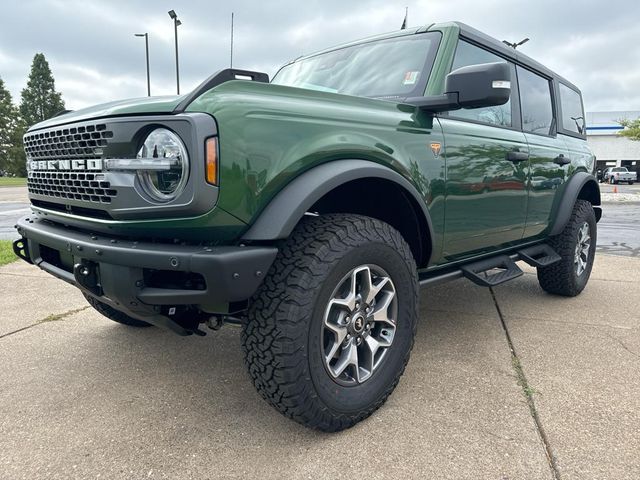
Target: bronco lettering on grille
[76, 164]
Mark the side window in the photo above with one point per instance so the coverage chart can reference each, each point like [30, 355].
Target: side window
[572, 114]
[535, 102]
[468, 54]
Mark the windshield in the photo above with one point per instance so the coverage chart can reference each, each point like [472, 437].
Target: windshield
[619, 169]
[392, 68]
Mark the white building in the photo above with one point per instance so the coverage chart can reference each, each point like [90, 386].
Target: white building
[611, 149]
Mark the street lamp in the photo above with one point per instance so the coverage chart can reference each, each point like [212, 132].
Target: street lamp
[176, 23]
[146, 44]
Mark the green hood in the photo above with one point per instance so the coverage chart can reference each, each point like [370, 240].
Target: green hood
[132, 106]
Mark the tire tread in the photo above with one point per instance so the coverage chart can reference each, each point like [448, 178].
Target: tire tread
[274, 345]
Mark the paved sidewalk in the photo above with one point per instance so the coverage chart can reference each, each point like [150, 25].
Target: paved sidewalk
[82, 397]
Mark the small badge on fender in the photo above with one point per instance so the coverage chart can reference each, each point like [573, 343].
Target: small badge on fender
[435, 148]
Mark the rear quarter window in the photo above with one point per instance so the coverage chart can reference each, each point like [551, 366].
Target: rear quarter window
[535, 102]
[572, 114]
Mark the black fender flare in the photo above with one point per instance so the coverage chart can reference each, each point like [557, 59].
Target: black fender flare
[285, 210]
[567, 200]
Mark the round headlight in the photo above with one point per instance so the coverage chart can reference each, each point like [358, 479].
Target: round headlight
[164, 180]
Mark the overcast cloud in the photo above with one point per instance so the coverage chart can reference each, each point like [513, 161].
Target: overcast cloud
[95, 57]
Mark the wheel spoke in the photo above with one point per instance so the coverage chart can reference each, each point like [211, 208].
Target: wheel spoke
[340, 333]
[374, 290]
[381, 312]
[349, 302]
[373, 345]
[348, 357]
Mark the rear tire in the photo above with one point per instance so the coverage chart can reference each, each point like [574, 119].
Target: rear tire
[576, 245]
[115, 315]
[318, 305]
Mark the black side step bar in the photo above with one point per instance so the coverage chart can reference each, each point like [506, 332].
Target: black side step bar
[493, 271]
[541, 255]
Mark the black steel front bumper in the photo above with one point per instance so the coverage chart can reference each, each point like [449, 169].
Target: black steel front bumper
[117, 271]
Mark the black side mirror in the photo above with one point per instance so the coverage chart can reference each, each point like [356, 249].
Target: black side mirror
[475, 86]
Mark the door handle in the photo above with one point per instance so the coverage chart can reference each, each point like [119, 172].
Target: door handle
[562, 160]
[516, 156]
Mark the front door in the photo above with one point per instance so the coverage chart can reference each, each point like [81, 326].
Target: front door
[486, 197]
[487, 165]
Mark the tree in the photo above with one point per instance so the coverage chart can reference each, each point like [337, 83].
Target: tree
[631, 128]
[40, 100]
[12, 158]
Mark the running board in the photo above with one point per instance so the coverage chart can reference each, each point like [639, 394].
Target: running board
[541, 255]
[492, 271]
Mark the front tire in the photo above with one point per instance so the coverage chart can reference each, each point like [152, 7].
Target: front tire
[329, 332]
[576, 245]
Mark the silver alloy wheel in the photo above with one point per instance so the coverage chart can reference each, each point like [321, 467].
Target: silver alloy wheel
[359, 324]
[583, 245]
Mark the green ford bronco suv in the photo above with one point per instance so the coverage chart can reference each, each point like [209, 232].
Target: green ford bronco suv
[311, 208]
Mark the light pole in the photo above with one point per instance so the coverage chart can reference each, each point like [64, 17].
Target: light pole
[176, 23]
[146, 45]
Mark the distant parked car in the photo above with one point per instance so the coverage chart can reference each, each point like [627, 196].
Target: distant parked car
[619, 174]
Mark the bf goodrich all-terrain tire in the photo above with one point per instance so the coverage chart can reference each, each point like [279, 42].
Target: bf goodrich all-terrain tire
[113, 314]
[329, 332]
[576, 245]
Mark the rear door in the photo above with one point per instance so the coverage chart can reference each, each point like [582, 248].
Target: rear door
[486, 169]
[548, 155]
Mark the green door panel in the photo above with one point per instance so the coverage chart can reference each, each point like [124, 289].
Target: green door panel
[582, 158]
[545, 178]
[486, 200]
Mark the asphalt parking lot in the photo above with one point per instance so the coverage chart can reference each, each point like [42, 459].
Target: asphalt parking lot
[503, 384]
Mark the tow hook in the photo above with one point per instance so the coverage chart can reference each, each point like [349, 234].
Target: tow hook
[21, 249]
[86, 275]
[215, 322]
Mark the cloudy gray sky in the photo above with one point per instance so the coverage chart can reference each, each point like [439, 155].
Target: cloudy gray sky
[95, 57]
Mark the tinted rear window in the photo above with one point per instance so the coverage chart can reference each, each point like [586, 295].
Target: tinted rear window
[535, 102]
[572, 114]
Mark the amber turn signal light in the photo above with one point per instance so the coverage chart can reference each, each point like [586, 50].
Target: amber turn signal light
[211, 156]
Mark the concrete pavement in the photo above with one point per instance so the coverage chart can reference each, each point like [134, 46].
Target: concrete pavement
[83, 397]
[14, 203]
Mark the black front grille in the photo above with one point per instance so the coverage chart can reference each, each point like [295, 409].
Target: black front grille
[85, 212]
[85, 141]
[75, 186]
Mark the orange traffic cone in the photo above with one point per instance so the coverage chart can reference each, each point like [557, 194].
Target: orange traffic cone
[615, 189]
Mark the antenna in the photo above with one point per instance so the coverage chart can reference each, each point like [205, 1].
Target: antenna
[515, 45]
[231, 60]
